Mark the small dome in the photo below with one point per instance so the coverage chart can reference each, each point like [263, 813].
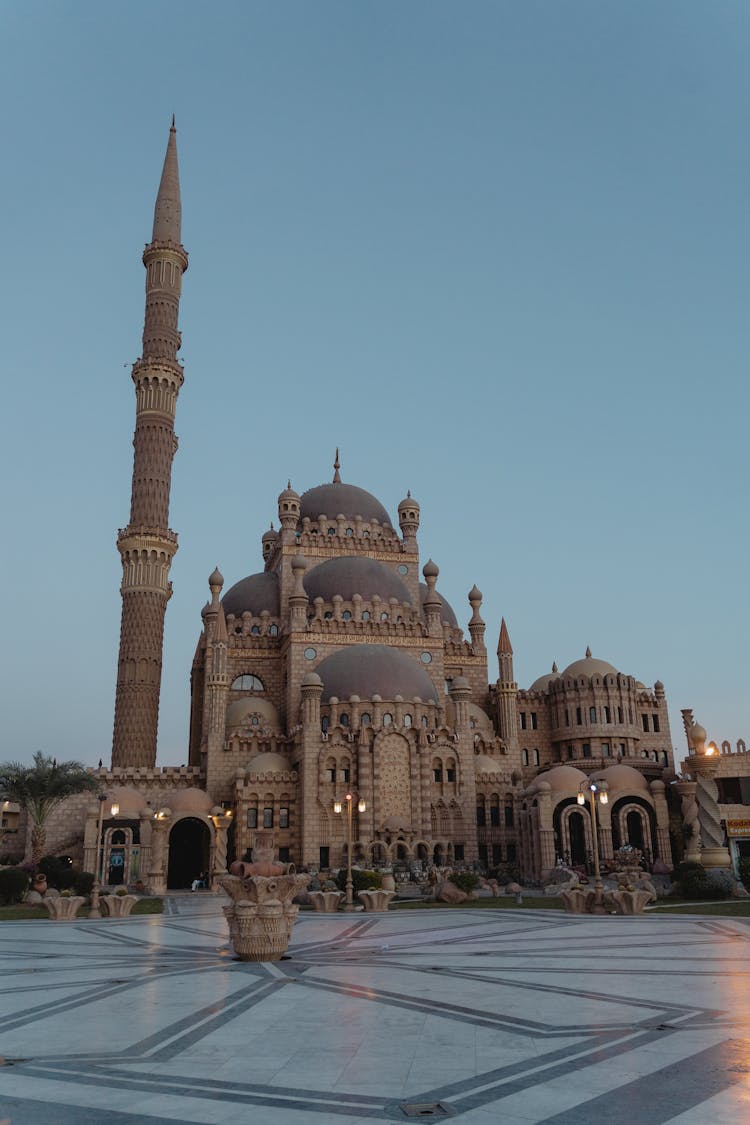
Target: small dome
[622, 778]
[351, 575]
[269, 536]
[485, 763]
[288, 493]
[430, 569]
[131, 802]
[217, 578]
[409, 502]
[240, 713]
[190, 801]
[447, 615]
[346, 499]
[543, 682]
[589, 666]
[368, 670]
[253, 594]
[460, 683]
[561, 780]
[697, 733]
[267, 763]
[311, 679]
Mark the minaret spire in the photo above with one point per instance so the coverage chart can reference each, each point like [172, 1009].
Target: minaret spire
[168, 207]
[336, 467]
[146, 545]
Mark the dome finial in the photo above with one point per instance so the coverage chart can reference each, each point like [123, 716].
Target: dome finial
[554, 665]
[588, 652]
[336, 467]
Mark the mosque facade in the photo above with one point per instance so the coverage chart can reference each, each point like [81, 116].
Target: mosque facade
[338, 667]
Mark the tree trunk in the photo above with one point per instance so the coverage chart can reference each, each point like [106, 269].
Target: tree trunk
[38, 840]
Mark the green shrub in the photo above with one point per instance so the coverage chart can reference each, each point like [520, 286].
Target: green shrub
[82, 882]
[693, 882]
[13, 885]
[466, 881]
[59, 871]
[361, 880]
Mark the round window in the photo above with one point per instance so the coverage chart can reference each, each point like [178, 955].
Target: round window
[403, 569]
[426, 658]
[310, 653]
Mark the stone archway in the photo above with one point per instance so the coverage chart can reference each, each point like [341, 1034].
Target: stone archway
[189, 852]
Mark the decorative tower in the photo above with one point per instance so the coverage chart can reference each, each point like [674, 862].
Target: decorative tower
[146, 545]
[507, 691]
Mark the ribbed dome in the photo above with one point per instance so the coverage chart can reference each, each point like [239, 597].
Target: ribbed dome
[267, 763]
[561, 779]
[253, 594]
[622, 778]
[447, 616]
[342, 499]
[241, 712]
[351, 575]
[589, 666]
[367, 670]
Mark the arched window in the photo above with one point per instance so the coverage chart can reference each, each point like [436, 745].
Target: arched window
[525, 757]
[366, 615]
[592, 714]
[347, 615]
[255, 631]
[344, 719]
[387, 719]
[384, 616]
[365, 718]
[247, 682]
[324, 723]
[273, 631]
[536, 757]
[331, 530]
[407, 720]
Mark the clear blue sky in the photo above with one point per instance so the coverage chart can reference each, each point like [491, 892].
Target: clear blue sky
[497, 252]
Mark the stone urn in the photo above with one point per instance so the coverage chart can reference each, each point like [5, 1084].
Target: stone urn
[261, 915]
[387, 881]
[117, 906]
[375, 901]
[40, 883]
[325, 902]
[64, 908]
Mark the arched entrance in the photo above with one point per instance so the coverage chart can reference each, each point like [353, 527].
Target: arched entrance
[189, 852]
[116, 873]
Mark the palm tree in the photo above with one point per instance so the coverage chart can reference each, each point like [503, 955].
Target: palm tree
[40, 788]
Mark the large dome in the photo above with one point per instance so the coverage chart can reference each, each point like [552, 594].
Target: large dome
[447, 616]
[352, 575]
[347, 500]
[367, 670]
[560, 779]
[589, 667]
[253, 595]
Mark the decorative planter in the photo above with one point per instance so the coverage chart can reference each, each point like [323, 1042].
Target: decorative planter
[577, 902]
[630, 902]
[325, 902]
[374, 901]
[117, 906]
[261, 915]
[387, 881]
[63, 909]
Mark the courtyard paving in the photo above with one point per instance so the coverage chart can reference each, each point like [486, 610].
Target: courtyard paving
[488, 1017]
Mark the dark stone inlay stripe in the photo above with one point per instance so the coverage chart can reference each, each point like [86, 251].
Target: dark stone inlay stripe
[658, 1097]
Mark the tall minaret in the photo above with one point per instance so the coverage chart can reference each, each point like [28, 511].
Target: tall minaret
[146, 545]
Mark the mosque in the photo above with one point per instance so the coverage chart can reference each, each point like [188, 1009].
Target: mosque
[340, 668]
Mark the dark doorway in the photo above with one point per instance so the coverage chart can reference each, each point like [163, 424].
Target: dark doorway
[189, 852]
[635, 830]
[116, 874]
[577, 840]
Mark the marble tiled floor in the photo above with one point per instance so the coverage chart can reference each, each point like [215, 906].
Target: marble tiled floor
[508, 1016]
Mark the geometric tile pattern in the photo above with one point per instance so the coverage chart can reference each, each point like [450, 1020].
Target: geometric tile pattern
[482, 1016]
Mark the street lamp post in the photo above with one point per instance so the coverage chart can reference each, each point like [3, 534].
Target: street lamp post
[337, 808]
[596, 791]
[95, 911]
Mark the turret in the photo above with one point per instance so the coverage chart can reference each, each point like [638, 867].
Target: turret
[476, 624]
[268, 541]
[289, 513]
[432, 602]
[507, 691]
[146, 545]
[408, 519]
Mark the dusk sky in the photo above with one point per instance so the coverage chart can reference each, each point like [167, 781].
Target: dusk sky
[495, 251]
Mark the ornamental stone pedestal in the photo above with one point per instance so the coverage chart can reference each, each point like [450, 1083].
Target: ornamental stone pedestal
[261, 915]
